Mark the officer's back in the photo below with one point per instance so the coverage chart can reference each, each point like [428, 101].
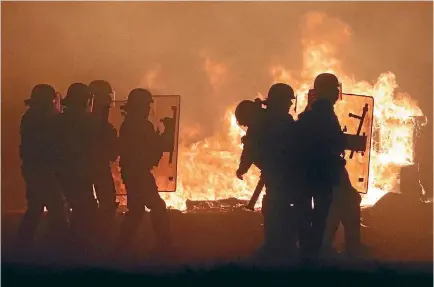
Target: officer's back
[317, 163]
[76, 135]
[106, 133]
[37, 129]
[140, 145]
[38, 169]
[320, 140]
[279, 129]
[140, 150]
[279, 218]
[76, 131]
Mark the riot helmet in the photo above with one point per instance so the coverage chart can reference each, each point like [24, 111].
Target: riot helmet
[280, 97]
[139, 102]
[102, 92]
[327, 86]
[43, 96]
[78, 97]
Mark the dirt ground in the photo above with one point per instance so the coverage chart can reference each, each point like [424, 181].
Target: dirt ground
[226, 236]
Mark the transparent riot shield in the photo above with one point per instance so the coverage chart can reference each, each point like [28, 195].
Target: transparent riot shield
[164, 115]
[356, 115]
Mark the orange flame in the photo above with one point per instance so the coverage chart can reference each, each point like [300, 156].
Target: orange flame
[207, 168]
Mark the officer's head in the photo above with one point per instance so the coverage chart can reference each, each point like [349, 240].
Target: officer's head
[102, 93]
[103, 96]
[280, 97]
[78, 98]
[43, 97]
[326, 86]
[138, 103]
[247, 113]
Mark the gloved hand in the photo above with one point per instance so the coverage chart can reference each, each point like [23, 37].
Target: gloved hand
[240, 174]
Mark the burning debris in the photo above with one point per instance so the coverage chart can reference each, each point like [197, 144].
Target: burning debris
[206, 169]
[221, 205]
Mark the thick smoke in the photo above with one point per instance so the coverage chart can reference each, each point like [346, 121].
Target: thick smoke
[176, 44]
[212, 54]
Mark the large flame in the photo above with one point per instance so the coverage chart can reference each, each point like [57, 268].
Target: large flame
[207, 168]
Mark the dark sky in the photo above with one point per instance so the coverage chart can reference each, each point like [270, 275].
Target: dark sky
[64, 42]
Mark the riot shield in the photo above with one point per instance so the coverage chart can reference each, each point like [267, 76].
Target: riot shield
[356, 115]
[164, 115]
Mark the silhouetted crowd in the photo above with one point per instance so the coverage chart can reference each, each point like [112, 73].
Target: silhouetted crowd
[68, 146]
[308, 190]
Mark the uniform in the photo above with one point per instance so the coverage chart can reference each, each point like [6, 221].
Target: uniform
[106, 153]
[42, 188]
[266, 144]
[320, 142]
[76, 144]
[345, 208]
[105, 191]
[140, 151]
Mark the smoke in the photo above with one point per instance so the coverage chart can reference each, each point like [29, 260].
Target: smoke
[319, 28]
[212, 54]
[192, 49]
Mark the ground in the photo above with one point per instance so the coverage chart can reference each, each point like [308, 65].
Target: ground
[215, 239]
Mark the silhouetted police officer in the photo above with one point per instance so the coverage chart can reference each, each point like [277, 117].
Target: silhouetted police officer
[264, 144]
[278, 103]
[278, 203]
[77, 142]
[106, 153]
[345, 208]
[140, 151]
[320, 143]
[38, 169]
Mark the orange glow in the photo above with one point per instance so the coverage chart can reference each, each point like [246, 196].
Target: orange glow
[206, 169]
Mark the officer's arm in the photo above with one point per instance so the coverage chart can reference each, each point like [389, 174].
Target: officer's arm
[24, 146]
[28, 141]
[114, 144]
[301, 128]
[245, 162]
[338, 138]
[158, 147]
[125, 140]
[154, 151]
[246, 159]
[57, 141]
